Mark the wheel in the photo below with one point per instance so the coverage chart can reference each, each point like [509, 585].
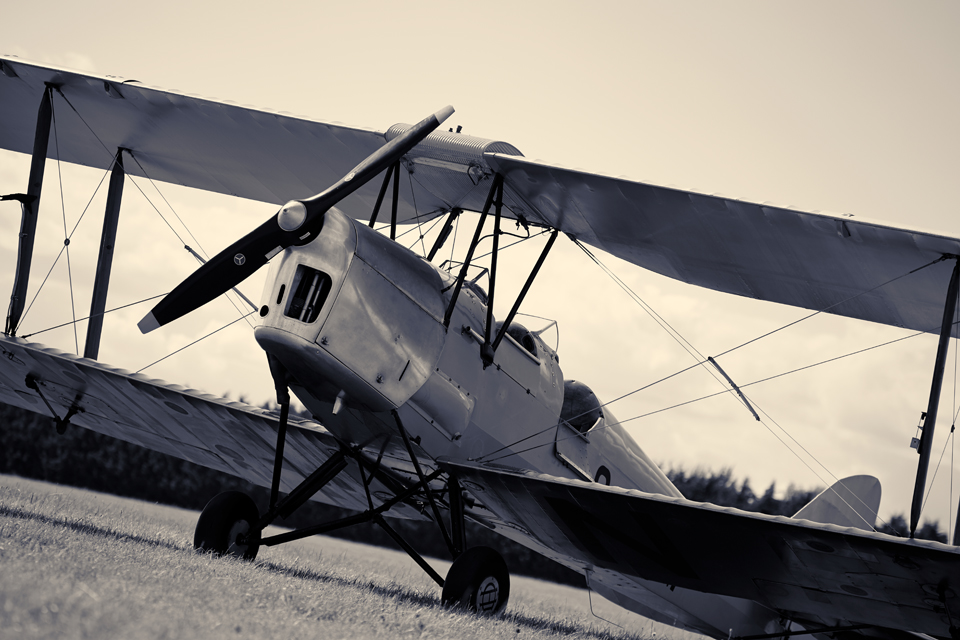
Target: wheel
[478, 580]
[225, 518]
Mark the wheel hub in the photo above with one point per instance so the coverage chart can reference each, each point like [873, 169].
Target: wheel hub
[238, 538]
[488, 595]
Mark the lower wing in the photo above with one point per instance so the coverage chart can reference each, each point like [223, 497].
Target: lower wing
[811, 573]
[207, 430]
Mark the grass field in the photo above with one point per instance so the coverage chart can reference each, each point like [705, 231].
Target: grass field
[78, 564]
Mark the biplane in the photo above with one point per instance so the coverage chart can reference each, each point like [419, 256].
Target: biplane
[425, 406]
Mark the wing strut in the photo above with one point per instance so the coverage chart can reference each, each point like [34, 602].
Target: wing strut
[30, 205]
[444, 233]
[497, 182]
[487, 349]
[108, 238]
[393, 171]
[926, 435]
[526, 287]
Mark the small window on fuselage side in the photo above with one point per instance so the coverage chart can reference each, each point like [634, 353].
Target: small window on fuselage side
[310, 288]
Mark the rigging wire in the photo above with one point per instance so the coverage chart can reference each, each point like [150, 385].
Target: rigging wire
[666, 326]
[179, 237]
[30, 335]
[678, 338]
[416, 212]
[62, 248]
[688, 402]
[823, 466]
[66, 235]
[946, 442]
[386, 227]
[170, 206]
[712, 395]
[926, 497]
[195, 342]
[107, 150]
[825, 309]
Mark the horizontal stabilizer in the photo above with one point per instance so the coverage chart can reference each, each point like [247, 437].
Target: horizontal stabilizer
[851, 502]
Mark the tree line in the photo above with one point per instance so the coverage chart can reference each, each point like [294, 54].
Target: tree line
[31, 448]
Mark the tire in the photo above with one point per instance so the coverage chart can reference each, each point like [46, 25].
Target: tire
[225, 518]
[479, 581]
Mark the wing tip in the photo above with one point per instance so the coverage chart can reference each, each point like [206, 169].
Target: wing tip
[148, 324]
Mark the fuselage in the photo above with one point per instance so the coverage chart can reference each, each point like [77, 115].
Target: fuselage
[358, 322]
[357, 319]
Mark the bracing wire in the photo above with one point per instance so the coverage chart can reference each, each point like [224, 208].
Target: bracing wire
[666, 326]
[153, 183]
[456, 232]
[194, 342]
[687, 402]
[827, 308]
[30, 335]
[66, 235]
[487, 458]
[179, 237]
[62, 248]
[416, 211]
[107, 150]
[814, 472]
[926, 497]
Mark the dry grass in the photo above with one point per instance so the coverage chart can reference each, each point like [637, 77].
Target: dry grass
[76, 564]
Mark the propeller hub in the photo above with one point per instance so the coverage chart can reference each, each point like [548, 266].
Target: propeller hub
[292, 215]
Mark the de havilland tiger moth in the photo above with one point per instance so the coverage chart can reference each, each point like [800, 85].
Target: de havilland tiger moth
[425, 406]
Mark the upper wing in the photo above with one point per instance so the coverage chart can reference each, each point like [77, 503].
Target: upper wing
[227, 436]
[801, 259]
[188, 140]
[805, 570]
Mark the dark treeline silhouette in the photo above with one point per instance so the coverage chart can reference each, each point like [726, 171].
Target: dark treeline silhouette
[31, 448]
[721, 488]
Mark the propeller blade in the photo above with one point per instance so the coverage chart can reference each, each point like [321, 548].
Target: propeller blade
[298, 222]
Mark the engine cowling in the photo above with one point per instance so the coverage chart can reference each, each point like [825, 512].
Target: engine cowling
[354, 315]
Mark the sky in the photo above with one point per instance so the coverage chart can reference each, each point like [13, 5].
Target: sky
[839, 107]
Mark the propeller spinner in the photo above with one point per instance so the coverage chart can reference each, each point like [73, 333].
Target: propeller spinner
[297, 223]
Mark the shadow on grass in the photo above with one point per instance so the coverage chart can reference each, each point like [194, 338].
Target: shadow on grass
[86, 527]
[409, 596]
[397, 592]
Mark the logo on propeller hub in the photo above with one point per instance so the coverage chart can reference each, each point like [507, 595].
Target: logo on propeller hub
[239, 259]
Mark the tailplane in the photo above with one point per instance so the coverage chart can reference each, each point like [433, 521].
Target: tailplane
[851, 502]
